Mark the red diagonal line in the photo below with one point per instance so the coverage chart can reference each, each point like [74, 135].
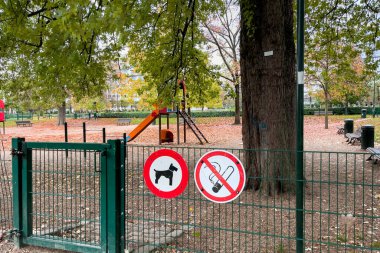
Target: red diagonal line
[216, 173]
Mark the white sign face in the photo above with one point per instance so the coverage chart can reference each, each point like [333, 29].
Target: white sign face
[165, 173]
[219, 176]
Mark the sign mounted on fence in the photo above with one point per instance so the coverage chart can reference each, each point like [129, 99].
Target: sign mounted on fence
[166, 174]
[219, 176]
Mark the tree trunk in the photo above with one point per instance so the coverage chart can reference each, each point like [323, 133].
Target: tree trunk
[326, 110]
[346, 108]
[62, 114]
[237, 103]
[268, 93]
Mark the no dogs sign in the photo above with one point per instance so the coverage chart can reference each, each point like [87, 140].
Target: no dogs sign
[166, 174]
[219, 176]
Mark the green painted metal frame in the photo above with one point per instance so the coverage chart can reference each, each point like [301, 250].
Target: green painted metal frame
[16, 186]
[112, 232]
[115, 197]
[300, 233]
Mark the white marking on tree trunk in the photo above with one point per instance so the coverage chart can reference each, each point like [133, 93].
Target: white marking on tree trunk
[268, 53]
[300, 77]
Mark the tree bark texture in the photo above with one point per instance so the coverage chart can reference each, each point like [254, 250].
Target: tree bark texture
[268, 93]
[327, 100]
[62, 114]
[237, 103]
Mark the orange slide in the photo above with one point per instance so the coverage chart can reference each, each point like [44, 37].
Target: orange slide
[144, 124]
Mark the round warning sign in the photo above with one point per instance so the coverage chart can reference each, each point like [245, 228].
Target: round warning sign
[166, 174]
[219, 176]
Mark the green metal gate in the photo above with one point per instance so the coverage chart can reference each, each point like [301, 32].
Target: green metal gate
[67, 195]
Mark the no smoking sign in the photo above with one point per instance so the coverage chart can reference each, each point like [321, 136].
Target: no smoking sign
[219, 176]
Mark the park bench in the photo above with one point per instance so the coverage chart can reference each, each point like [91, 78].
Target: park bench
[123, 121]
[353, 137]
[375, 154]
[24, 123]
[322, 112]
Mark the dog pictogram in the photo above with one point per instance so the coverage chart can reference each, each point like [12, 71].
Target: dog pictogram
[166, 173]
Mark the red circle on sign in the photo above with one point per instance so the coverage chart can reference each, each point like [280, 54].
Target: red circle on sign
[185, 173]
[234, 193]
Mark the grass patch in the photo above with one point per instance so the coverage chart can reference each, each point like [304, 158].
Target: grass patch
[197, 234]
[375, 245]
[280, 248]
[342, 238]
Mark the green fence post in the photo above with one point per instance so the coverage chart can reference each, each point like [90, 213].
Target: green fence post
[115, 197]
[27, 196]
[17, 188]
[122, 194]
[300, 226]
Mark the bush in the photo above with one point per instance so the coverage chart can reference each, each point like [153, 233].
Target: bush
[195, 114]
[229, 113]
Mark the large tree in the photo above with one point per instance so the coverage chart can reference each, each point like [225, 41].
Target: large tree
[165, 45]
[222, 32]
[58, 48]
[336, 29]
[268, 89]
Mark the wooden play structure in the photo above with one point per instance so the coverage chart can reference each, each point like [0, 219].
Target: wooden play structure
[165, 135]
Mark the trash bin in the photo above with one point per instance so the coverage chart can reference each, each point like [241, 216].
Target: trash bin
[368, 136]
[364, 113]
[348, 126]
[75, 115]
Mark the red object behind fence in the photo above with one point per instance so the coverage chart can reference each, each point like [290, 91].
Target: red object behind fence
[2, 111]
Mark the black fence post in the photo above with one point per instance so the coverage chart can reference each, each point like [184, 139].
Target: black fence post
[66, 135]
[104, 135]
[84, 131]
[84, 137]
[66, 138]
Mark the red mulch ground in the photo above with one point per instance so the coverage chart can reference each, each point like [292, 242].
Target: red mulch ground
[220, 132]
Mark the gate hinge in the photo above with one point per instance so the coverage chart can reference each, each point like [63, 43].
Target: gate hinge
[15, 152]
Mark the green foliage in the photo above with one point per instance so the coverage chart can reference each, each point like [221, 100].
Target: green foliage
[195, 114]
[341, 110]
[335, 38]
[86, 103]
[164, 44]
[52, 50]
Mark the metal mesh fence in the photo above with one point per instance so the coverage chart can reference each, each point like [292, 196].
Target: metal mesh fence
[65, 195]
[341, 211]
[342, 202]
[5, 190]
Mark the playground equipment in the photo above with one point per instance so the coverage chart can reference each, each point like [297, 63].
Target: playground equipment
[165, 135]
[2, 114]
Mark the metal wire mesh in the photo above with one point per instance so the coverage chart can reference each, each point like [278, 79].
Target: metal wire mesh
[66, 195]
[6, 221]
[341, 208]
